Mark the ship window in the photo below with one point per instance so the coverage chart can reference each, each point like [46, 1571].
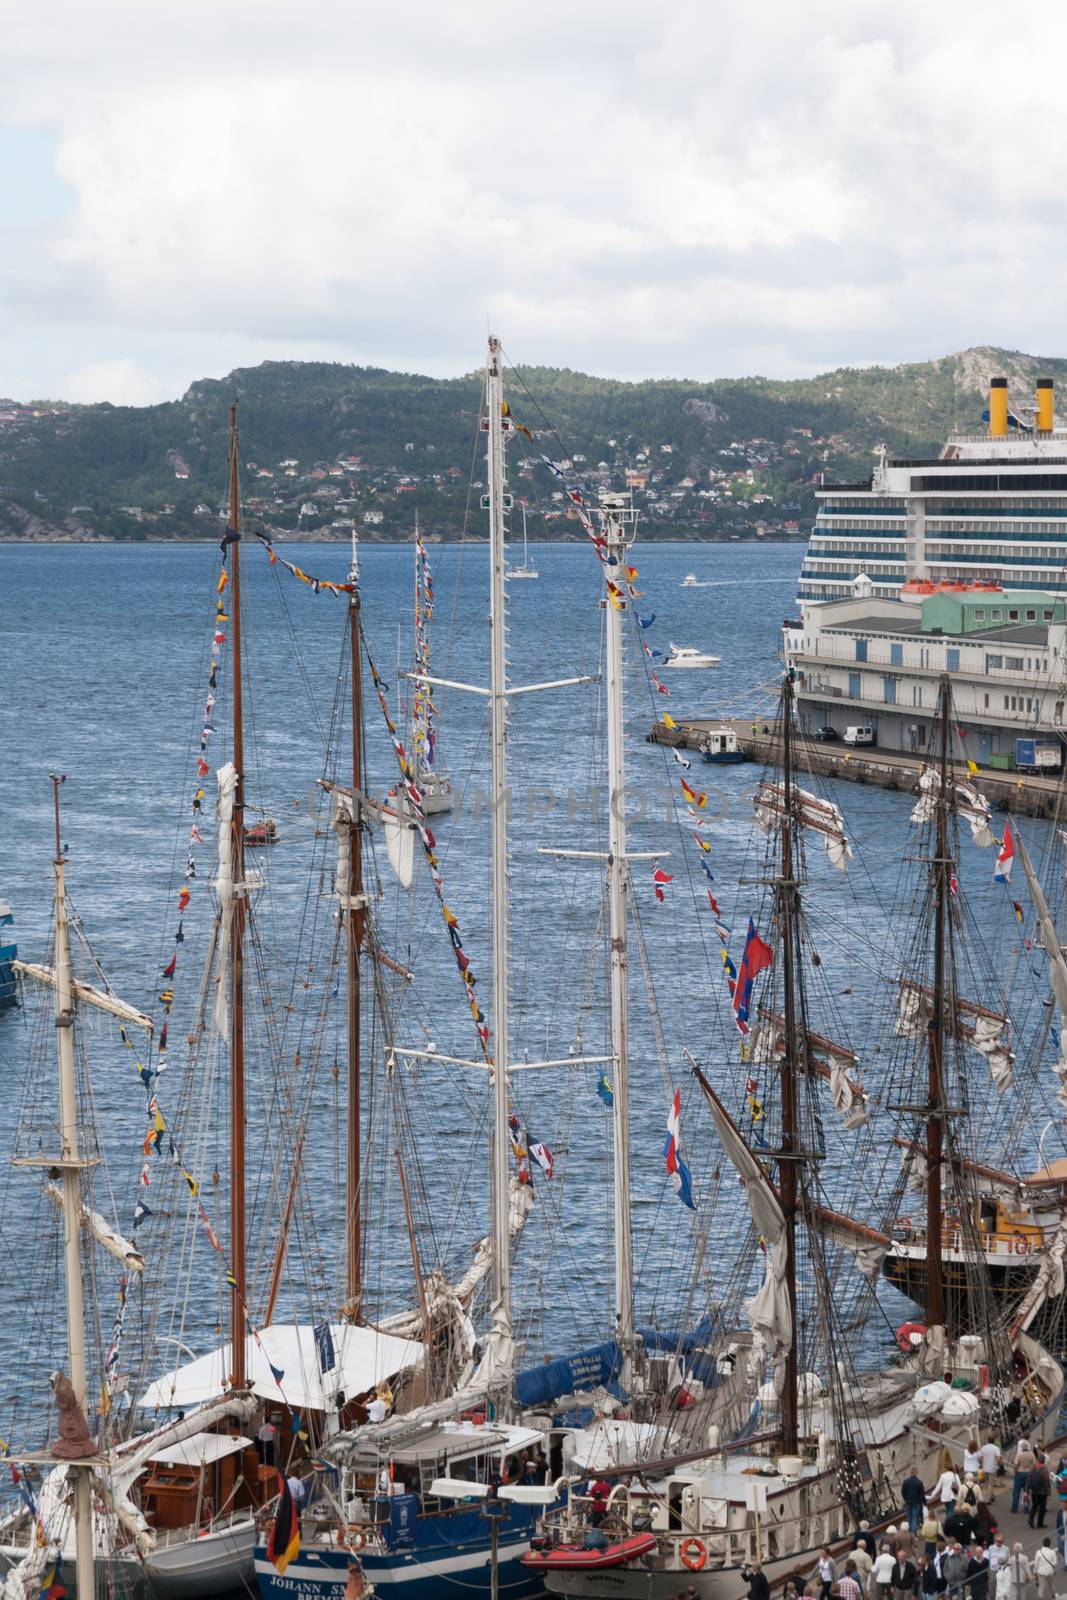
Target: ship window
[997, 615]
[1013, 616]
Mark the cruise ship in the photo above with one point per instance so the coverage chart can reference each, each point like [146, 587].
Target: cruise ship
[991, 508]
[956, 565]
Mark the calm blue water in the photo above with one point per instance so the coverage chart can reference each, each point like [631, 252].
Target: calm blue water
[106, 649]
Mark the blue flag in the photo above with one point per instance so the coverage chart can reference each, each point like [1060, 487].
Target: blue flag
[606, 1092]
[324, 1346]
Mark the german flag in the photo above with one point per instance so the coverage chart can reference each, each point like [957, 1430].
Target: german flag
[284, 1541]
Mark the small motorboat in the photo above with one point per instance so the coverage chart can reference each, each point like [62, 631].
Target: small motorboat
[691, 581]
[258, 834]
[683, 655]
[719, 746]
[576, 1558]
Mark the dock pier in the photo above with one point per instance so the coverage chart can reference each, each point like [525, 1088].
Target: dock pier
[1027, 794]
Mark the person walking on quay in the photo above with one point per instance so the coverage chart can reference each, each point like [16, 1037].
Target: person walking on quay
[861, 1560]
[913, 1494]
[1024, 1460]
[954, 1568]
[992, 1466]
[1045, 1570]
[904, 1577]
[978, 1574]
[1038, 1486]
[825, 1571]
[1014, 1578]
[945, 1491]
[882, 1573]
[758, 1587]
[848, 1586]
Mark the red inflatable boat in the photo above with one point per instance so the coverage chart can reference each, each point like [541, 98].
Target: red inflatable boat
[574, 1558]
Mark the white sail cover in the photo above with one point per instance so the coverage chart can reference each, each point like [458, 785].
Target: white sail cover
[810, 811]
[867, 1246]
[766, 1046]
[104, 1234]
[969, 804]
[363, 1357]
[224, 888]
[400, 843]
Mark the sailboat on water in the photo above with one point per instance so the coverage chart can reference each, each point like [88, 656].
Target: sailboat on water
[832, 1441]
[525, 571]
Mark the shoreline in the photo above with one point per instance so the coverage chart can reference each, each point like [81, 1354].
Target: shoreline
[110, 542]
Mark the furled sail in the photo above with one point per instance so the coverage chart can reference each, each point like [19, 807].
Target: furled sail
[867, 1245]
[768, 1311]
[85, 994]
[830, 1061]
[810, 811]
[982, 1029]
[969, 804]
[1048, 1283]
[104, 1234]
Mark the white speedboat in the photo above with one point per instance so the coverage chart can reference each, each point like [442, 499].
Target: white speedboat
[691, 581]
[683, 655]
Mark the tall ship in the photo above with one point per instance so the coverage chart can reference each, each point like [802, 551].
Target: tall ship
[991, 508]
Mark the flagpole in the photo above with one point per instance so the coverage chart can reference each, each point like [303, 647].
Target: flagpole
[619, 532]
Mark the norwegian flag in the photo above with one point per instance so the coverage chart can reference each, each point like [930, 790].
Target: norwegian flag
[659, 878]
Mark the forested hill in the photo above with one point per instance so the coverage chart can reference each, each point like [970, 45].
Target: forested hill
[326, 446]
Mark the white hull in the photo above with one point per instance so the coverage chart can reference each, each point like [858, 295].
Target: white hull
[691, 662]
[215, 1563]
[436, 795]
[523, 572]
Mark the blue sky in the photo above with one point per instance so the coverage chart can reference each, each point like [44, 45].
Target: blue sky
[701, 190]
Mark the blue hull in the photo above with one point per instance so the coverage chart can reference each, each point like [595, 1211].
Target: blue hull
[722, 758]
[9, 992]
[460, 1572]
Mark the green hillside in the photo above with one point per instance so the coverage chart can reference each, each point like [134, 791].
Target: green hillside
[326, 445]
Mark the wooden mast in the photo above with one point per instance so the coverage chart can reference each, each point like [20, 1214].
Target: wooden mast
[238, 916]
[354, 926]
[940, 876]
[789, 1154]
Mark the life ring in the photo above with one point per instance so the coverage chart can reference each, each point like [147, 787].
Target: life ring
[910, 1335]
[694, 1554]
[350, 1538]
[1020, 1244]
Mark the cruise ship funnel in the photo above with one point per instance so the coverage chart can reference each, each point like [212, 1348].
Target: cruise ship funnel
[1045, 405]
[998, 407]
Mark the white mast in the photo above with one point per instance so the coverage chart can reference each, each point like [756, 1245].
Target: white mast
[498, 801]
[70, 1166]
[618, 530]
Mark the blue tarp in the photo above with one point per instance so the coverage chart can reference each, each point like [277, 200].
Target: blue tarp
[600, 1366]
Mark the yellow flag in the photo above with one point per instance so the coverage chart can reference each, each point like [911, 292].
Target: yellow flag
[972, 766]
[668, 720]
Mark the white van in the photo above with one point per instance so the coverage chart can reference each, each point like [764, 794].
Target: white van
[861, 735]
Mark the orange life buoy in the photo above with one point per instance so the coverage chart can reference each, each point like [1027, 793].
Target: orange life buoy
[693, 1554]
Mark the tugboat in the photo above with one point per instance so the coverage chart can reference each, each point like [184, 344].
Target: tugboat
[719, 747]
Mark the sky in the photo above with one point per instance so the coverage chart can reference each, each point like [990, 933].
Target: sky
[702, 189]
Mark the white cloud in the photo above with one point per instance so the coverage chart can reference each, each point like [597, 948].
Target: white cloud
[119, 380]
[682, 191]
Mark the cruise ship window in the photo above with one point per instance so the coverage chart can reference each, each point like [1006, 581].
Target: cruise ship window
[1013, 616]
[996, 616]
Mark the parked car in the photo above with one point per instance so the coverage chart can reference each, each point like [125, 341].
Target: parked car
[825, 733]
[864, 734]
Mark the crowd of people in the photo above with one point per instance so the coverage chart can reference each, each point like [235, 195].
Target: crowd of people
[949, 1542]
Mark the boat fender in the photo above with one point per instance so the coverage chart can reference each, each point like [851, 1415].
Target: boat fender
[694, 1554]
[1021, 1245]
